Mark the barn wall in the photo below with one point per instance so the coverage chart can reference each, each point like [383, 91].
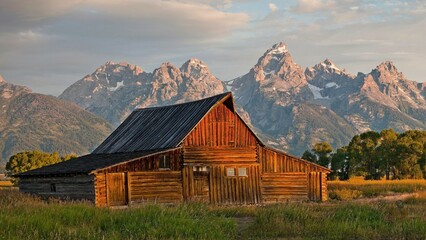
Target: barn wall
[143, 181]
[161, 187]
[212, 184]
[285, 177]
[80, 187]
[221, 127]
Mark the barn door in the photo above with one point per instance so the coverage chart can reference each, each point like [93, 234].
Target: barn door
[116, 186]
[201, 186]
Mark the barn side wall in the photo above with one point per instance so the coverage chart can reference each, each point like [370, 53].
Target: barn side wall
[143, 181]
[80, 187]
[218, 186]
[285, 177]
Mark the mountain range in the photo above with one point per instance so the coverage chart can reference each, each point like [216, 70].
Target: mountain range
[288, 106]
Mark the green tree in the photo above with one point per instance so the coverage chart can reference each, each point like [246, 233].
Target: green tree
[309, 156]
[387, 149]
[323, 150]
[408, 156]
[28, 160]
[340, 164]
[364, 158]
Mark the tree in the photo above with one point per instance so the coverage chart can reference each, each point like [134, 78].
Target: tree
[309, 156]
[387, 149]
[323, 150]
[28, 160]
[340, 164]
[409, 153]
[364, 158]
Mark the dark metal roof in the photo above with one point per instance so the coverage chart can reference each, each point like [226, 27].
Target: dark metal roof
[88, 163]
[158, 127]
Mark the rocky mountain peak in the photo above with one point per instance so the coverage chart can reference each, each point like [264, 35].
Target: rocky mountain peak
[112, 67]
[386, 73]
[195, 68]
[167, 71]
[2, 80]
[278, 48]
[277, 63]
[329, 65]
[387, 66]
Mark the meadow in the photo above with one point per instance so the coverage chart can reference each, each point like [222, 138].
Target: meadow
[27, 217]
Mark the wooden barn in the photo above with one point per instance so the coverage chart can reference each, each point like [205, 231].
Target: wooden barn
[197, 151]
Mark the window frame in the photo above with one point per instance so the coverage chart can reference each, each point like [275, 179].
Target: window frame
[164, 162]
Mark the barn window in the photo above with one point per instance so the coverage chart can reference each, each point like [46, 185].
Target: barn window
[164, 162]
[200, 168]
[230, 172]
[53, 187]
[242, 172]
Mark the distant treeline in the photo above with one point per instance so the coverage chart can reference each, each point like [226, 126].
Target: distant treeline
[375, 155]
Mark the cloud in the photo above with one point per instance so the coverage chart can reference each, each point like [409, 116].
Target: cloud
[71, 39]
[273, 7]
[308, 6]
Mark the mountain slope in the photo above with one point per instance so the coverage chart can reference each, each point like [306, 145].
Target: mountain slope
[31, 121]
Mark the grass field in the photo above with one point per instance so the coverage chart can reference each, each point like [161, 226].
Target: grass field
[26, 217]
[359, 188]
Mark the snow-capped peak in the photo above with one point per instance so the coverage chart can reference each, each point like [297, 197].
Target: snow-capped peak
[278, 48]
[328, 64]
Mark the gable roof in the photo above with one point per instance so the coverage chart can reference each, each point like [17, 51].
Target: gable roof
[88, 163]
[158, 127]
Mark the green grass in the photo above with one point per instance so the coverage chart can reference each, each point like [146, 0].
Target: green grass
[26, 217]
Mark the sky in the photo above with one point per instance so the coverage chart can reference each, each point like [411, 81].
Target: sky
[48, 45]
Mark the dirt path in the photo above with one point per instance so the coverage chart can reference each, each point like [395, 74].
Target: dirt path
[391, 198]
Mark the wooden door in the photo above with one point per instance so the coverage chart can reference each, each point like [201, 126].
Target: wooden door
[315, 186]
[201, 187]
[116, 185]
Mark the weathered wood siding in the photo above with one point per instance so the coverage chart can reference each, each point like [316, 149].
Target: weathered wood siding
[279, 187]
[285, 177]
[150, 163]
[223, 189]
[221, 127]
[276, 162]
[143, 181]
[159, 187]
[80, 187]
[213, 185]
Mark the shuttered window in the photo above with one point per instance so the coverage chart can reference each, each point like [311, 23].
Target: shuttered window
[242, 172]
[53, 187]
[230, 172]
[164, 162]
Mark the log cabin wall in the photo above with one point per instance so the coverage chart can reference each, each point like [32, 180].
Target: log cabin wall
[221, 175]
[79, 187]
[220, 161]
[140, 181]
[285, 177]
